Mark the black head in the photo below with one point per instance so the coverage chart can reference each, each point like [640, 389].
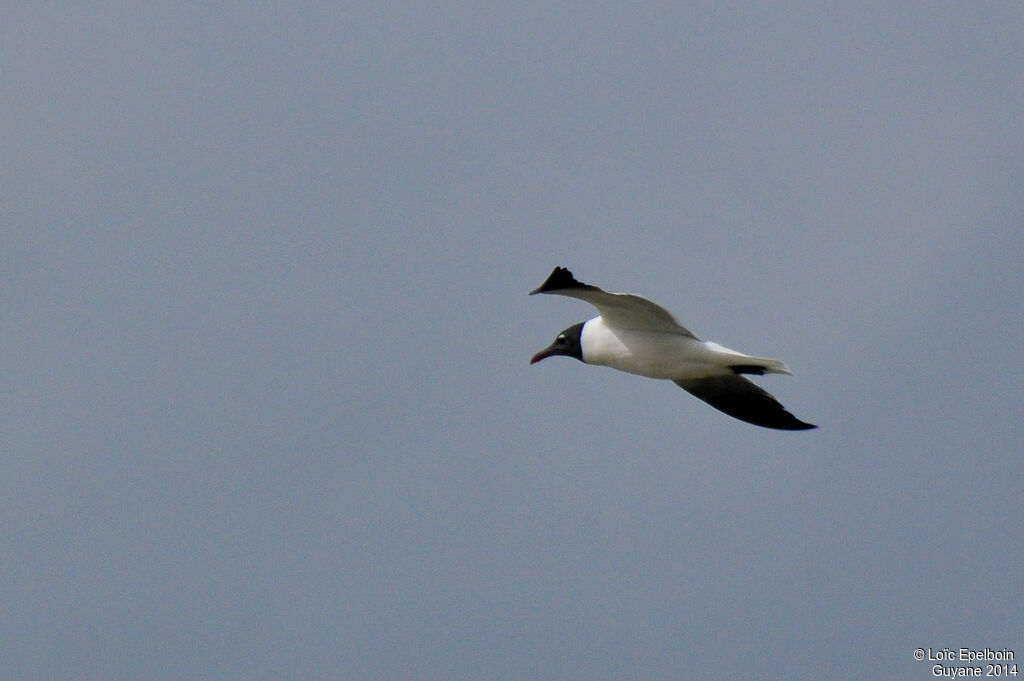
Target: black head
[567, 343]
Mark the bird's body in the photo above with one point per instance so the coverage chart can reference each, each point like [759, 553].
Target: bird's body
[635, 335]
[666, 355]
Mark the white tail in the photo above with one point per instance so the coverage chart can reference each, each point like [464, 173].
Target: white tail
[733, 358]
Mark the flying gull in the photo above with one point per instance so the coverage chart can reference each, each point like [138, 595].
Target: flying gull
[634, 335]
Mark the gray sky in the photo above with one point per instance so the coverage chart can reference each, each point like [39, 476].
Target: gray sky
[268, 412]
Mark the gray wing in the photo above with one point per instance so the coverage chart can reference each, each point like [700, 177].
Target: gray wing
[741, 399]
[622, 310]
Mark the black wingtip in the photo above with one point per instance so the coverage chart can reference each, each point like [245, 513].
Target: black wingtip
[559, 279]
[782, 420]
[743, 400]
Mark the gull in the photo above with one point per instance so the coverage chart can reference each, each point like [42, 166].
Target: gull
[635, 335]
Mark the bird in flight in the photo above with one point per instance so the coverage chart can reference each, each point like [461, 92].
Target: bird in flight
[635, 335]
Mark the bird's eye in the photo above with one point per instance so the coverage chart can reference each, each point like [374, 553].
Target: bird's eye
[561, 338]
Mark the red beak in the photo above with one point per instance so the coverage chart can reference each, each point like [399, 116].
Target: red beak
[539, 356]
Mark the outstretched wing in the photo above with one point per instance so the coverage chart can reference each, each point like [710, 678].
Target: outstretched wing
[740, 398]
[621, 310]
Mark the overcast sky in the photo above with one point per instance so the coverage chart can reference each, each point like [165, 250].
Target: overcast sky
[267, 408]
